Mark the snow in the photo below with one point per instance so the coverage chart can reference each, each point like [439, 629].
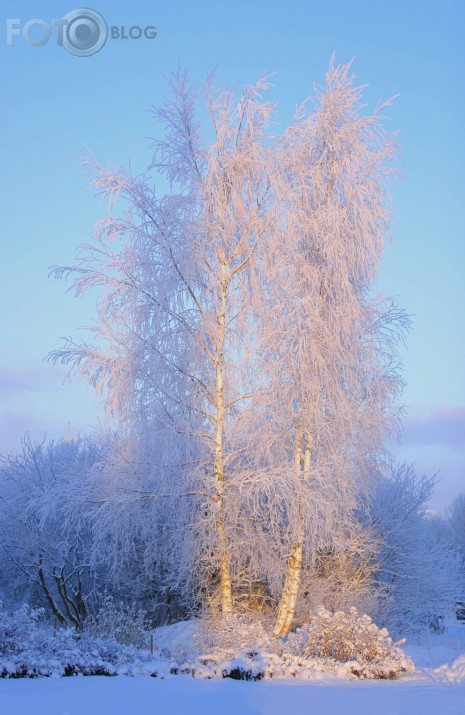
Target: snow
[181, 695]
[176, 638]
[436, 687]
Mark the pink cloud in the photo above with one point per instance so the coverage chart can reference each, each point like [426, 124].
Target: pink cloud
[25, 377]
[445, 426]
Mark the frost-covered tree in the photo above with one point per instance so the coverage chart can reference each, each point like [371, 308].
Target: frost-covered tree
[327, 353]
[456, 518]
[178, 284]
[45, 538]
[416, 563]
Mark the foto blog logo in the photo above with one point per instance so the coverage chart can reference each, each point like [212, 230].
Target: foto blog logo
[82, 32]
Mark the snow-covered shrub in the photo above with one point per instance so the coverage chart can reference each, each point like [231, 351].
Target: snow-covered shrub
[347, 644]
[122, 621]
[17, 629]
[236, 633]
[30, 648]
[352, 639]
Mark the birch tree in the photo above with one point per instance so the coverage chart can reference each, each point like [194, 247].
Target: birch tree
[178, 281]
[328, 350]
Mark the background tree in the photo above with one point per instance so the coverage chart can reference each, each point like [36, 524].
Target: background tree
[456, 518]
[44, 536]
[417, 574]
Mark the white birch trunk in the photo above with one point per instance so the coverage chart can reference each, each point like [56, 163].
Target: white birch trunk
[294, 565]
[225, 576]
[290, 591]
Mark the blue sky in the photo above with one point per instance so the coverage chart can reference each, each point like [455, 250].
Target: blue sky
[54, 104]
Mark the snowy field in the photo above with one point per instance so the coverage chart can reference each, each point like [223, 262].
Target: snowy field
[181, 695]
[437, 686]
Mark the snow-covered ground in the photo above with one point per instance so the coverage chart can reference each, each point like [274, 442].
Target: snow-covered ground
[437, 686]
[181, 695]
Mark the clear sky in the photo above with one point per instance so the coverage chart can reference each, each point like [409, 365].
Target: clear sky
[55, 104]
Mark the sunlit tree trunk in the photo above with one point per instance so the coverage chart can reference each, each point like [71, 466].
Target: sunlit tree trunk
[294, 565]
[225, 576]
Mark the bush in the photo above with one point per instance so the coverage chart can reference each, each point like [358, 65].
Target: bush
[239, 647]
[347, 644]
[123, 621]
[237, 633]
[30, 648]
[352, 639]
[18, 629]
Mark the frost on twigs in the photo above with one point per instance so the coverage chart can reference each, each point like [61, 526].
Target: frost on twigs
[240, 647]
[31, 648]
[122, 621]
[354, 640]
[233, 634]
[346, 644]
